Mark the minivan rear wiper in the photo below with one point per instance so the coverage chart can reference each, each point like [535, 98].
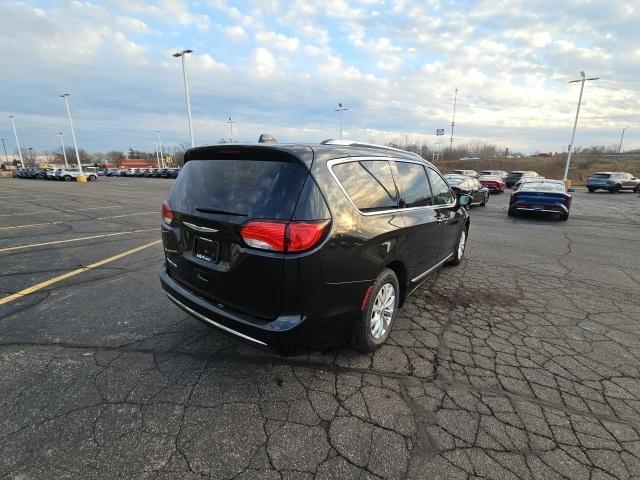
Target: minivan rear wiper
[219, 212]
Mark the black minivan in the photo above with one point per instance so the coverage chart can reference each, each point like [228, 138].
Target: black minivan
[291, 247]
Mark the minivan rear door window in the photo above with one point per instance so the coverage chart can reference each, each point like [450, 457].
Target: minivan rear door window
[368, 183]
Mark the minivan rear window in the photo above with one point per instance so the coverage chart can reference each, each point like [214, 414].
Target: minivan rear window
[249, 188]
[368, 183]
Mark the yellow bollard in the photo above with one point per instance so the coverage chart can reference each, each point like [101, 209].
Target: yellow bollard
[81, 179]
[567, 184]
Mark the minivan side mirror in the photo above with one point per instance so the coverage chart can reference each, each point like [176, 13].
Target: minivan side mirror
[464, 201]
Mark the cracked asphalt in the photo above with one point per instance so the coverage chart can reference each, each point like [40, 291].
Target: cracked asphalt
[521, 363]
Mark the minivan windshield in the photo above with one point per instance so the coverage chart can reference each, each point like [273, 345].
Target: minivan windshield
[248, 188]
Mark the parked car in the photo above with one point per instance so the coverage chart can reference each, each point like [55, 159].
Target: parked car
[542, 196]
[163, 172]
[69, 174]
[495, 173]
[469, 159]
[494, 183]
[637, 189]
[290, 247]
[526, 180]
[173, 173]
[612, 181]
[514, 176]
[131, 172]
[101, 172]
[469, 173]
[112, 172]
[465, 185]
[147, 172]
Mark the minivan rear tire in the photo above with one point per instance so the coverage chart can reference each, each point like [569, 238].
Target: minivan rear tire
[364, 340]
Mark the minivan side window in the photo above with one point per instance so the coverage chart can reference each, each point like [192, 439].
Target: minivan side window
[368, 183]
[442, 194]
[414, 185]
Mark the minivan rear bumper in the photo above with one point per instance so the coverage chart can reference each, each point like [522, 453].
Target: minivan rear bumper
[283, 335]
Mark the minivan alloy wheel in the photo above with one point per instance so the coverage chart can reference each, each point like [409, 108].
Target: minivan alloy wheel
[382, 311]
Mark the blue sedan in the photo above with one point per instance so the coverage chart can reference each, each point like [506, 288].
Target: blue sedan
[543, 196]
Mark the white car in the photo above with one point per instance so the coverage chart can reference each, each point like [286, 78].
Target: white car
[68, 174]
[132, 172]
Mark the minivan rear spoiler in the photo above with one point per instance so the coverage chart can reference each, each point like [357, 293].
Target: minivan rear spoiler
[263, 151]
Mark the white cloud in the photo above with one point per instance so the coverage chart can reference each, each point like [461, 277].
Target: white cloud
[132, 24]
[277, 41]
[235, 32]
[265, 63]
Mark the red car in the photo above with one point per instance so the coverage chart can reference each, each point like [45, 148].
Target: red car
[493, 183]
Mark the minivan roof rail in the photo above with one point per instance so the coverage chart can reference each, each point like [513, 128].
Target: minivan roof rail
[352, 143]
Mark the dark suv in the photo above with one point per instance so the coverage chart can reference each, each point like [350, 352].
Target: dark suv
[515, 176]
[297, 246]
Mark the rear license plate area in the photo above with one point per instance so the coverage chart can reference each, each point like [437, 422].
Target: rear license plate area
[206, 249]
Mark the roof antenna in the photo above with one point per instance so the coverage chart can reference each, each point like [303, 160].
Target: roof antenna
[267, 138]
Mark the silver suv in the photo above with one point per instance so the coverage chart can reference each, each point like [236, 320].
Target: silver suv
[612, 181]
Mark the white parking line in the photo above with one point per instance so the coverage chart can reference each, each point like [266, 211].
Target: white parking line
[79, 239]
[33, 225]
[61, 210]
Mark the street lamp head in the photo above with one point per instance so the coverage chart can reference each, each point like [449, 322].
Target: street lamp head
[178, 54]
[64, 95]
[11, 116]
[187, 51]
[582, 73]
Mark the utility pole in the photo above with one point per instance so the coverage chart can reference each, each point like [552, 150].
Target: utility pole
[230, 122]
[31, 154]
[5, 151]
[453, 120]
[340, 109]
[64, 152]
[65, 96]
[15, 133]
[182, 55]
[621, 138]
[575, 123]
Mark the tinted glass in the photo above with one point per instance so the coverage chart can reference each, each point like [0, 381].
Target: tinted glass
[414, 185]
[455, 180]
[601, 175]
[251, 188]
[543, 187]
[442, 194]
[368, 183]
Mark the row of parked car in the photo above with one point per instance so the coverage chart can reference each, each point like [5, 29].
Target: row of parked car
[92, 173]
[65, 174]
[143, 172]
[532, 193]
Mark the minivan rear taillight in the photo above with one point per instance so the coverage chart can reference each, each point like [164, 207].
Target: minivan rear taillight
[283, 236]
[167, 213]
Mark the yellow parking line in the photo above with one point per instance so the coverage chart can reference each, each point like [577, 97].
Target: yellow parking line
[73, 273]
[33, 225]
[79, 239]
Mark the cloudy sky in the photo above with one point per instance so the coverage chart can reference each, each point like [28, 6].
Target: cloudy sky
[282, 66]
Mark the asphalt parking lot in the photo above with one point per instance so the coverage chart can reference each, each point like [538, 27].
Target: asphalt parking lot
[523, 362]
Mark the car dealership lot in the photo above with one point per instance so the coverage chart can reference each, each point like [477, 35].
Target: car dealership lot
[524, 362]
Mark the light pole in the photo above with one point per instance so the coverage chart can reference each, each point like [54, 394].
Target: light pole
[15, 133]
[575, 123]
[5, 151]
[155, 147]
[182, 54]
[31, 155]
[230, 122]
[65, 96]
[160, 150]
[453, 120]
[621, 138]
[64, 152]
[340, 109]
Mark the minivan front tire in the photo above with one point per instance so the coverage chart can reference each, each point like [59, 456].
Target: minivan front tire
[376, 320]
[461, 247]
